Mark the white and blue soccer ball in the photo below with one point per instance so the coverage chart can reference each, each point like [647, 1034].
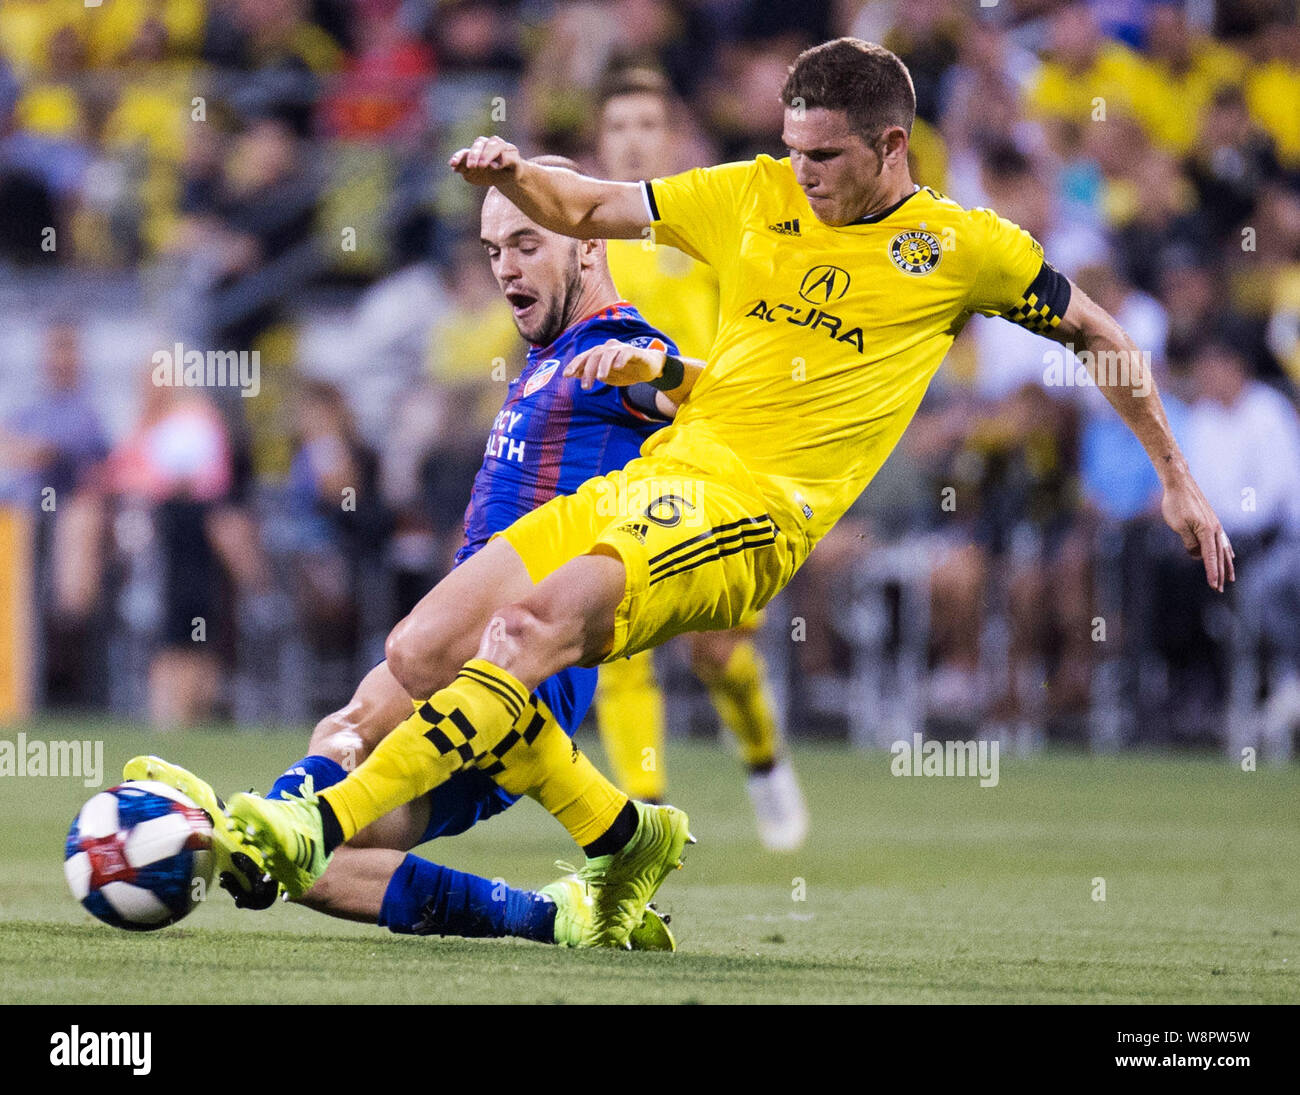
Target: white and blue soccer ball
[139, 856]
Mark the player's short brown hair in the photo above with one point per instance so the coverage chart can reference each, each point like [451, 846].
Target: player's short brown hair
[866, 81]
[633, 80]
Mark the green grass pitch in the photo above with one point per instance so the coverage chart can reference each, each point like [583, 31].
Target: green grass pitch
[910, 890]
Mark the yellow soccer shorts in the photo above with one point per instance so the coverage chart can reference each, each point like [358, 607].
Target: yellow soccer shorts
[700, 550]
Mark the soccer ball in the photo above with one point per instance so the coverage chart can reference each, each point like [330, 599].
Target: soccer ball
[139, 856]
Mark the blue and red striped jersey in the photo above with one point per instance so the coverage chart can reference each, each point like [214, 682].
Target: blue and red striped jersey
[551, 436]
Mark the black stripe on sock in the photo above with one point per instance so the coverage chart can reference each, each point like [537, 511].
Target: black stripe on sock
[501, 748]
[615, 838]
[331, 830]
[534, 727]
[512, 701]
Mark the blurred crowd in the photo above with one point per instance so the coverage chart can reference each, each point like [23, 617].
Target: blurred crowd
[269, 176]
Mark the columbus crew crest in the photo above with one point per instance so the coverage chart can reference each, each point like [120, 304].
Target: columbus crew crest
[915, 252]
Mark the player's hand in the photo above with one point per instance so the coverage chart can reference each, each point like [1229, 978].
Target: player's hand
[617, 363]
[1187, 511]
[487, 162]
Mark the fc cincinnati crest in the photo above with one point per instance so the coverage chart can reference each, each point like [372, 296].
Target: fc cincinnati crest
[649, 342]
[915, 252]
[538, 380]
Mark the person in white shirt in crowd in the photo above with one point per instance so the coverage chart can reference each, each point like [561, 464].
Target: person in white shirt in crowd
[1243, 446]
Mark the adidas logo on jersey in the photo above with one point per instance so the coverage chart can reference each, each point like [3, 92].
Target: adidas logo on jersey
[785, 228]
[636, 529]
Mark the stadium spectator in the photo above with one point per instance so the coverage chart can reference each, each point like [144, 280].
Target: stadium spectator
[280, 52]
[49, 452]
[1243, 443]
[336, 517]
[174, 468]
[982, 110]
[1150, 202]
[1183, 71]
[641, 136]
[742, 98]
[58, 437]
[1273, 84]
[927, 36]
[380, 92]
[1244, 440]
[1083, 76]
[1230, 164]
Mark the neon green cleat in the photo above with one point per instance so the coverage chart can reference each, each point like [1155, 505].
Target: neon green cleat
[621, 885]
[287, 831]
[240, 868]
[573, 916]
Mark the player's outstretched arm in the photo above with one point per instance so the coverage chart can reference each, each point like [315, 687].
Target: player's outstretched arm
[1185, 508]
[555, 197]
[621, 364]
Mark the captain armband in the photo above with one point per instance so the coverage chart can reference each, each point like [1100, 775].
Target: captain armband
[1042, 306]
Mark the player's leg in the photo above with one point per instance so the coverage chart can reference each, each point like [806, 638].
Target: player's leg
[423, 897]
[730, 666]
[630, 719]
[374, 879]
[344, 738]
[424, 650]
[567, 619]
[489, 706]
[703, 555]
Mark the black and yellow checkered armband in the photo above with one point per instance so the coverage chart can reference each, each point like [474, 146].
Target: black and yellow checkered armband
[1042, 305]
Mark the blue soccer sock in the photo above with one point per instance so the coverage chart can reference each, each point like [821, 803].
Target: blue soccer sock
[424, 898]
[324, 773]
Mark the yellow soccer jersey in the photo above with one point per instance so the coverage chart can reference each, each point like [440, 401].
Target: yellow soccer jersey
[673, 291]
[828, 337]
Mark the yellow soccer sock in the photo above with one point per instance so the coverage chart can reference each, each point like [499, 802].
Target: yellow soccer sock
[537, 758]
[444, 734]
[740, 695]
[630, 718]
[484, 717]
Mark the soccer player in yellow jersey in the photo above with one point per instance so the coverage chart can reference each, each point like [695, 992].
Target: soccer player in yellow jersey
[842, 286]
[636, 139]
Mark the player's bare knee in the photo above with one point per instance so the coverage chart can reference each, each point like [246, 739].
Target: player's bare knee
[343, 745]
[417, 658]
